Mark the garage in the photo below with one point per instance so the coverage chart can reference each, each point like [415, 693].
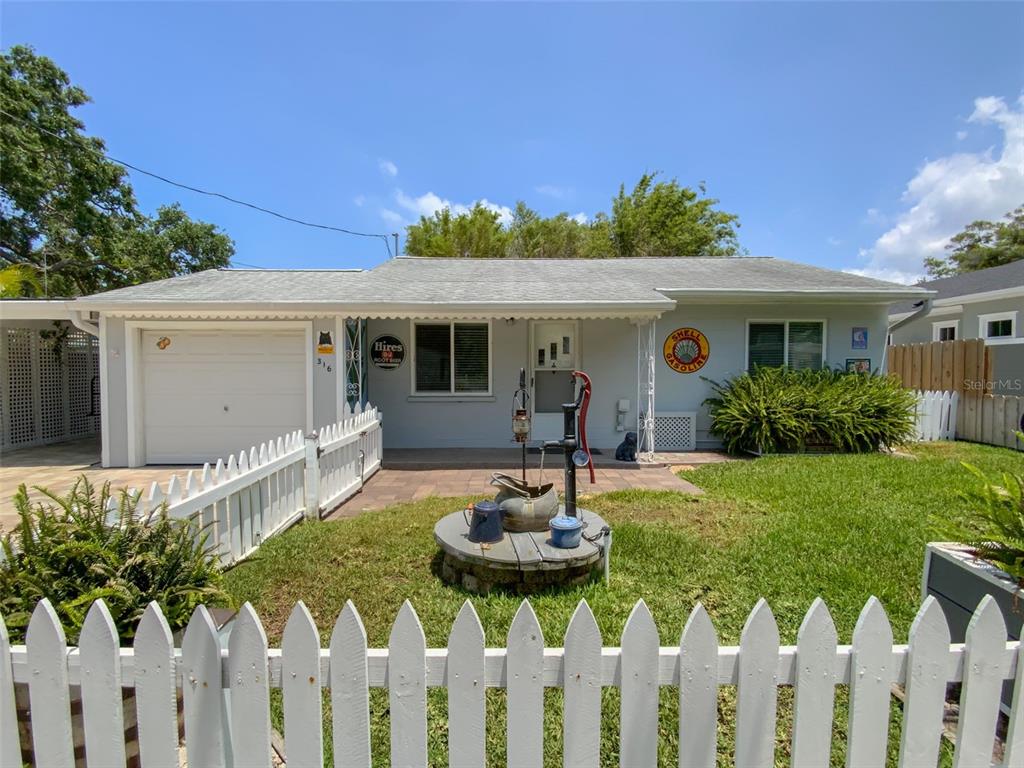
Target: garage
[209, 393]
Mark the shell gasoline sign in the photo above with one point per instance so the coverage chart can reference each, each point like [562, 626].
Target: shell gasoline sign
[686, 350]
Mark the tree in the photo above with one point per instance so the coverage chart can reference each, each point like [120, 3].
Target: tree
[67, 214]
[982, 244]
[656, 219]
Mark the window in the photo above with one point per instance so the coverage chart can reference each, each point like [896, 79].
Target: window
[945, 330]
[998, 327]
[796, 343]
[452, 358]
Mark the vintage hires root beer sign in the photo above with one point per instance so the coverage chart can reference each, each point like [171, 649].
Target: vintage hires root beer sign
[387, 352]
[686, 350]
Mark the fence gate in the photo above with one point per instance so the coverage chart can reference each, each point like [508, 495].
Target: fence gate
[49, 386]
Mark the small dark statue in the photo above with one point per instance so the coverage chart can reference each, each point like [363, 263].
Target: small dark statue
[627, 448]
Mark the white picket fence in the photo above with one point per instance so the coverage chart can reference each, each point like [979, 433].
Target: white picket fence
[235, 729]
[936, 415]
[240, 503]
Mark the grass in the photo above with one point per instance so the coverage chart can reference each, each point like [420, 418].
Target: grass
[785, 528]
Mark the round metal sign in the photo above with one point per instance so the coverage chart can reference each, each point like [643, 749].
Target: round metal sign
[686, 350]
[387, 352]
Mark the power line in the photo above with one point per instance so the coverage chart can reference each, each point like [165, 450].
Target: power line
[197, 190]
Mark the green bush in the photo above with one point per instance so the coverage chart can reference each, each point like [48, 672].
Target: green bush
[779, 410]
[66, 551]
[995, 528]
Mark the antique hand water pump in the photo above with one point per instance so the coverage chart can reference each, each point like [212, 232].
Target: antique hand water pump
[574, 442]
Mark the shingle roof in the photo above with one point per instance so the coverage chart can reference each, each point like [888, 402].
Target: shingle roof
[428, 281]
[981, 281]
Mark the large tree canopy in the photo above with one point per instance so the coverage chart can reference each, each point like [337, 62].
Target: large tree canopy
[69, 222]
[981, 245]
[658, 218]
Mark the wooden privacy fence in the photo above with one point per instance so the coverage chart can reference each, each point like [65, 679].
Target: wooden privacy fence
[957, 366]
[226, 691]
[241, 503]
[992, 419]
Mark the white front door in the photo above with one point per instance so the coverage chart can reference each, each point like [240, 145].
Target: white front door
[207, 394]
[553, 358]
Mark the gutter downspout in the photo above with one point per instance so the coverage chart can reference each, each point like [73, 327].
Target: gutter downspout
[78, 320]
[924, 309]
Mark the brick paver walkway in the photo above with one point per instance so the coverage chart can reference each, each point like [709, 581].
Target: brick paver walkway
[393, 486]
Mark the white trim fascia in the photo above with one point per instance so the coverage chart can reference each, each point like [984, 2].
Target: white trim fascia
[133, 368]
[104, 395]
[940, 324]
[1013, 292]
[810, 295]
[33, 309]
[341, 368]
[983, 321]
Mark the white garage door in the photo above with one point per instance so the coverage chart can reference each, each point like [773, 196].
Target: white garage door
[209, 394]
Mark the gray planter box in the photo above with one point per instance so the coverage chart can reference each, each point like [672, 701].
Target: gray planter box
[958, 580]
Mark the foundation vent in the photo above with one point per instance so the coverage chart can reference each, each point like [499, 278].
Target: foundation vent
[675, 431]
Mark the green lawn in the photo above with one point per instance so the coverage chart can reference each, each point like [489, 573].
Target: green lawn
[788, 529]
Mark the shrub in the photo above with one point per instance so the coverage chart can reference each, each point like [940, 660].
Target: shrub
[775, 410]
[995, 528]
[66, 551]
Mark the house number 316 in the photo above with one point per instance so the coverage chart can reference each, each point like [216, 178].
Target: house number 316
[324, 364]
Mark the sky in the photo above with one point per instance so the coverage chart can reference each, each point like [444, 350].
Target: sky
[855, 136]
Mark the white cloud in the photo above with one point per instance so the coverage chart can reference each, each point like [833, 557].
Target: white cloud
[387, 167]
[427, 204]
[961, 135]
[392, 217]
[552, 190]
[950, 192]
[580, 218]
[359, 200]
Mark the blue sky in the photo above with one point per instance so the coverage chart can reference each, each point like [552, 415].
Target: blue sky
[854, 136]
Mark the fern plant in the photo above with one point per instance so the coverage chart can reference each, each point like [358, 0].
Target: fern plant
[994, 530]
[67, 550]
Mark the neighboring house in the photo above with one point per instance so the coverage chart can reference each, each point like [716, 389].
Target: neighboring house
[49, 375]
[987, 304]
[199, 366]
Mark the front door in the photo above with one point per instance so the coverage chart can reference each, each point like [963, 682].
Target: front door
[553, 358]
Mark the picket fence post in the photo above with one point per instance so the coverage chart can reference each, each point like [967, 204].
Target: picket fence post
[312, 472]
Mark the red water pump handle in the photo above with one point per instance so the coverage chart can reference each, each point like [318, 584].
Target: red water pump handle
[583, 421]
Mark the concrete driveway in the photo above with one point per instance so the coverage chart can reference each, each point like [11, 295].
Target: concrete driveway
[56, 467]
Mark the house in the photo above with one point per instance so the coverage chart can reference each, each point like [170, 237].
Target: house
[199, 366]
[987, 304]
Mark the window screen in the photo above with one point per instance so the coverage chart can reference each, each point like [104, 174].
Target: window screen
[766, 345]
[999, 328]
[805, 345]
[433, 358]
[471, 357]
[438, 345]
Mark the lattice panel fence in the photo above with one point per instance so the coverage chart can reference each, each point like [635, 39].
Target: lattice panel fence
[50, 387]
[675, 431]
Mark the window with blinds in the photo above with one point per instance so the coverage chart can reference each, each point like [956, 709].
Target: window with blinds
[794, 343]
[452, 358]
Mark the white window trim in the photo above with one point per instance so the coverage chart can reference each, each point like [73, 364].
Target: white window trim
[939, 325]
[451, 393]
[785, 339]
[984, 320]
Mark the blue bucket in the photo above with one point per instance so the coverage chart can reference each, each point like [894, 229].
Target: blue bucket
[566, 532]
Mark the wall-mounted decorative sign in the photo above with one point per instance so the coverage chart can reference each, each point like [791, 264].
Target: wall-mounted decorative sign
[163, 343]
[387, 352]
[859, 338]
[858, 365]
[686, 350]
[325, 346]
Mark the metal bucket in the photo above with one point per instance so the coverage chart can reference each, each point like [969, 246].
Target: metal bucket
[485, 523]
